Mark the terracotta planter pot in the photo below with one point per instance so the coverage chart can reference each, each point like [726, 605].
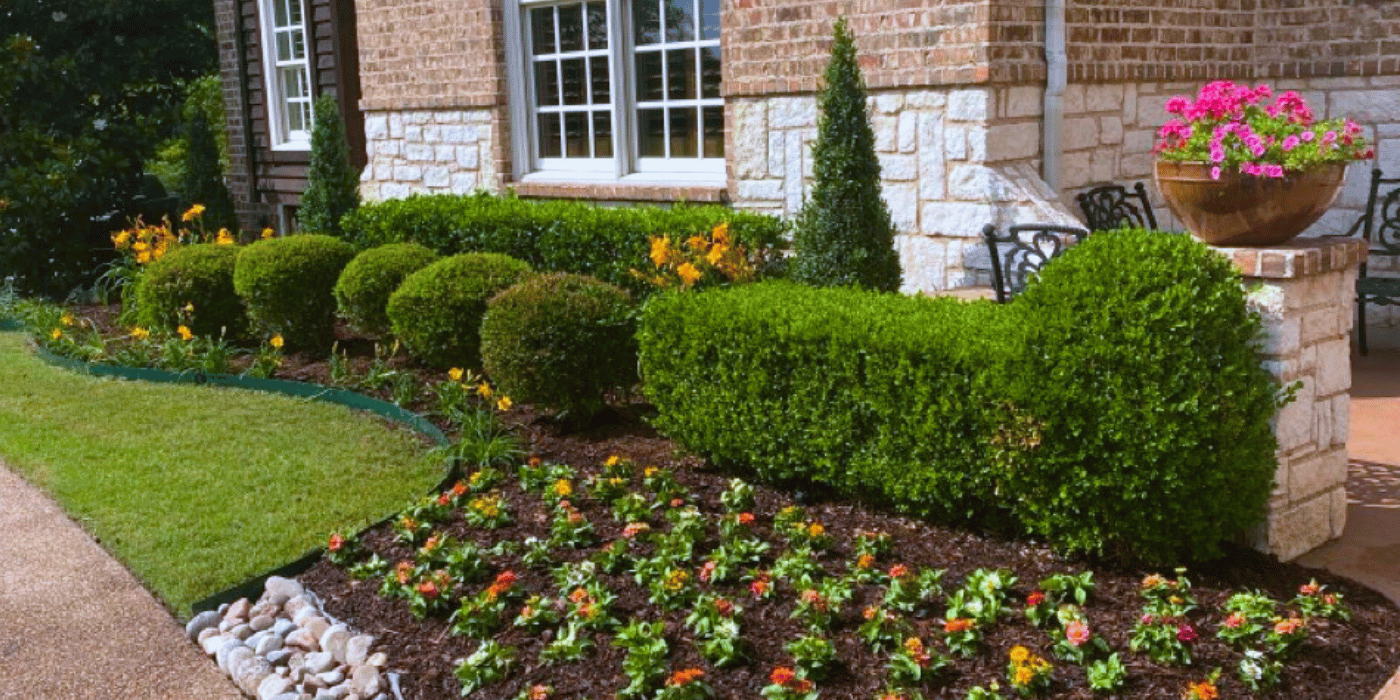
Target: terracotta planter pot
[1243, 210]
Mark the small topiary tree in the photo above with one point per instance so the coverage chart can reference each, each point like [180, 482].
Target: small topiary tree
[197, 275]
[333, 186]
[204, 176]
[362, 293]
[1149, 407]
[287, 284]
[437, 310]
[844, 235]
[560, 340]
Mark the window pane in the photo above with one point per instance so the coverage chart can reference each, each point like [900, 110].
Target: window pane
[680, 74]
[709, 19]
[602, 135]
[294, 6]
[597, 26]
[684, 132]
[651, 131]
[646, 18]
[576, 134]
[680, 25]
[574, 87]
[549, 136]
[542, 30]
[293, 82]
[570, 28]
[598, 65]
[710, 74]
[546, 83]
[284, 46]
[714, 131]
[279, 13]
[298, 45]
[649, 85]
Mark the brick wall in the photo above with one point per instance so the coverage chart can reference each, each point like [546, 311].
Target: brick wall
[430, 54]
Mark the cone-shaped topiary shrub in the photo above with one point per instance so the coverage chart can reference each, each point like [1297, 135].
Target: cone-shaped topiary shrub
[844, 235]
[362, 293]
[437, 310]
[204, 176]
[288, 286]
[561, 341]
[1149, 403]
[333, 185]
[200, 276]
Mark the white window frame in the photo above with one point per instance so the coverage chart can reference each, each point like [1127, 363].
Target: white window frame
[282, 136]
[625, 166]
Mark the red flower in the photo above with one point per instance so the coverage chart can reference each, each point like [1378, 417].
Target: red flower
[1185, 632]
[1034, 599]
[746, 519]
[899, 571]
[444, 498]
[685, 677]
[724, 606]
[1234, 621]
[1310, 588]
[429, 589]
[707, 571]
[782, 675]
[957, 624]
[459, 489]
[336, 543]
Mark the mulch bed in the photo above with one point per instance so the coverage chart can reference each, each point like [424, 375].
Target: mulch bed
[1340, 660]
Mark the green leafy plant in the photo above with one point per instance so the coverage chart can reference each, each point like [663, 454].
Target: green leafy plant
[844, 235]
[1314, 601]
[738, 496]
[1107, 675]
[482, 615]
[203, 181]
[645, 664]
[537, 614]
[488, 511]
[431, 596]
[572, 644]
[332, 185]
[961, 635]
[912, 663]
[1027, 673]
[912, 592]
[786, 684]
[882, 629]
[686, 684]
[813, 655]
[1075, 640]
[487, 665]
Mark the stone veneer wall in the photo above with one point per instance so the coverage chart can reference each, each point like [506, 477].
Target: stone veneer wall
[429, 152]
[1109, 131]
[949, 166]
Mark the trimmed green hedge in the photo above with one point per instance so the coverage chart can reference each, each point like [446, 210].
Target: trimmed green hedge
[551, 235]
[1118, 406]
[437, 310]
[196, 275]
[288, 284]
[362, 292]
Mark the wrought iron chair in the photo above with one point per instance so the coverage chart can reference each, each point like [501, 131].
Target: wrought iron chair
[1380, 226]
[1016, 256]
[1113, 206]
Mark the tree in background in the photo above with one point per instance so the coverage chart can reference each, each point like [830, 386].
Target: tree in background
[89, 87]
[333, 186]
[204, 177]
[844, 235]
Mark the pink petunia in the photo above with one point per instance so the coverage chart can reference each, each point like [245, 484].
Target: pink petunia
[1290, 143]
[1215, 172]
[1273, 170]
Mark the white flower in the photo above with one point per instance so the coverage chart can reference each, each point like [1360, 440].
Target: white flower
[60, 16]
[99, 124]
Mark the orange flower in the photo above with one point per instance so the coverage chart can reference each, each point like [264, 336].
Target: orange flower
[746, 519]
[865, 561]
[336, 543]
[689, 274]
[899, 571]
[957, 624]
[403, 572]
[685, 677]
[429, 589]
[1205, 690]
[539, 692]
[782, 675]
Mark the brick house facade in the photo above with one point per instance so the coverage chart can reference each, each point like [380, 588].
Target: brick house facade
[451, 95]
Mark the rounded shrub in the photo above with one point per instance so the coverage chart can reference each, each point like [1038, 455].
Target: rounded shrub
[560, 341]
[437, 310]
[1147, 407]
[199, 277]
[362, 292]
[288, 286]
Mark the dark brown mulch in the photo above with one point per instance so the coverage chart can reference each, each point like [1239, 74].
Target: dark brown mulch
[1340, 661]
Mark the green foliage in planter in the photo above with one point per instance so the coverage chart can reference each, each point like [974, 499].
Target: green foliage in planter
[204, 177]
[877, 395]
[437, 310]
[333, 185]
[554, 235]
[844, 235]
[1149, 397]
[560, 340]
[362, 292]
[288, 286]
[198, 275]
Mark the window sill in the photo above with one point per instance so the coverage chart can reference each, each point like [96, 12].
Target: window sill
[630, 189]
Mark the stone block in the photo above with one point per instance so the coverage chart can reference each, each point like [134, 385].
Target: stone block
[408, 173]
[903, 201]
[1103, 164]
[887, 102]
[1075, 170]
[1317, 473]
[463, 183]
[396, 125]
[908, 132]
[1013, 141]
[455, 134]
[770, 191]
[970, 105]
[1299, 527]
[792, 112]
[469, 157]
[1023, 101]
[1152, 109]
[925, 99]
[1339, 510]
[436, 176]
[958, 219]
[886, 128]
[445, 154]
[898, 168]
[1326, 422]
[1341, 420]
[413, 133]
[954, 143]
[1293, 424]
[1318, 323]
[1073, 98]
[394, 190]
[972, 182]
[1111, 130]
[924, 261]
[794, 175]
[418, 152]
[1130, 102]
[432, 133]
[1080, 133]
[976, 143]
[1333, 373]
[376, 127]
[1367, 106]
[1139, 140]
[932, 169]
[777, 153]
[1103, 97]
[1139, 166]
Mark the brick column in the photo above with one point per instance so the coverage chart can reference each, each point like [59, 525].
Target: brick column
[1305, 291]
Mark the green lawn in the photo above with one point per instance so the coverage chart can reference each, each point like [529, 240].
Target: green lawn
[194, 488]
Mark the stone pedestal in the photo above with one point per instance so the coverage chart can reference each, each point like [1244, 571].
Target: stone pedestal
[1305, 291]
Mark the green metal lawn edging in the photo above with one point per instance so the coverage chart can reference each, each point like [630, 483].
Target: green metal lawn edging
[252, 588]
[8, 324]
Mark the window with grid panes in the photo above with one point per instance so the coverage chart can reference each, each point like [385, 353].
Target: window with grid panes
[287, 72]
[617, 88]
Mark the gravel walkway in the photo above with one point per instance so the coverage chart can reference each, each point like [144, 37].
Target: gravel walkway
[75, 624]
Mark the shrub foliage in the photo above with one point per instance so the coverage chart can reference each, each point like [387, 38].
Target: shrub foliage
[204, 175]
[556, 236]
[288, 286]
[362, 292]
[1117, 407]
[437, 310]
[333, 185]
[200, 276]
[560, 340]
[844, 235]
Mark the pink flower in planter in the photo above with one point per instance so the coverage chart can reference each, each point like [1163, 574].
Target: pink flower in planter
[1077, 633]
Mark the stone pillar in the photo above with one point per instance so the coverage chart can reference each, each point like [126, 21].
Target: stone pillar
[1305, 291]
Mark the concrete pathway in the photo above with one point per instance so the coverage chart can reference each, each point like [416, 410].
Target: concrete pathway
[75, 624]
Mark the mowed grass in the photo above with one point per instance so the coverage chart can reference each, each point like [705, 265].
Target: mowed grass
[195, 488]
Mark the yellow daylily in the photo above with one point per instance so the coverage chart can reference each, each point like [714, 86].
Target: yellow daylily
[484, 390]
[192, 212]
[276, 341]
[184, 332]
[455, 374]
[67, 319]
[225, 238]
[140, 333]
[56, 334]
[268, 233]
[504, 403]
[689, 274]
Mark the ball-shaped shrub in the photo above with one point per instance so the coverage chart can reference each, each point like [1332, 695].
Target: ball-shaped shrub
[560, 341]
[362, 293]
[199, 277]
[288, 286]
[1147, 407]
[437, 310]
